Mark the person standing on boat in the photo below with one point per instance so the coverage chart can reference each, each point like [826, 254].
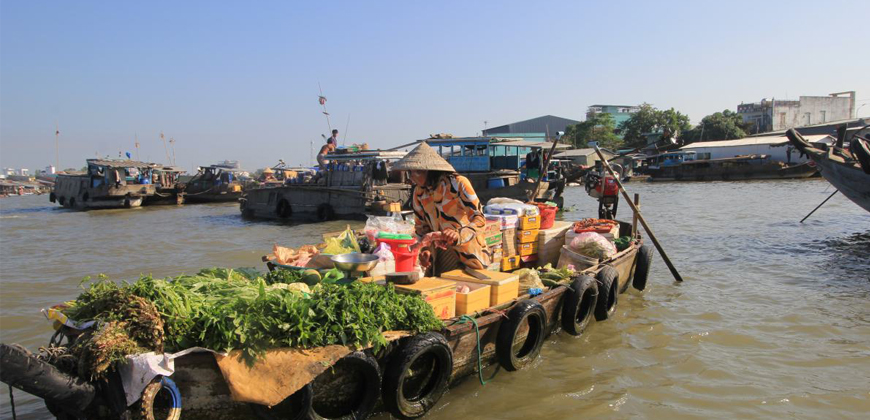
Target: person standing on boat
[533, 165]
[328, 147]
[446, 210]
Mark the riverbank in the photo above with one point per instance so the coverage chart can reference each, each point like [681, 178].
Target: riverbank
[772, 321]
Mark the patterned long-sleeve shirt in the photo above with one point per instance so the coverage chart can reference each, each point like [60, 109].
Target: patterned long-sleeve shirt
[453, 204]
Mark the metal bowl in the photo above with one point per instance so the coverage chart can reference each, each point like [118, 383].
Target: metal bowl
[355, 262]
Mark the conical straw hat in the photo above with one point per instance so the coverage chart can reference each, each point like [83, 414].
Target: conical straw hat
[268, 171]
[423, 158]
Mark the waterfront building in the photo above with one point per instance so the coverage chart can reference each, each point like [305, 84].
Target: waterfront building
[538, 125]
[775, 115]
[620, 113]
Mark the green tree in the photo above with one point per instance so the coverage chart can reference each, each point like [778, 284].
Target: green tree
[598, 127]
[725, 125]
[669, 123]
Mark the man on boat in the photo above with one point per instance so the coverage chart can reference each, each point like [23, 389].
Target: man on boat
[328, 147]
[533, 165]
[447, 212]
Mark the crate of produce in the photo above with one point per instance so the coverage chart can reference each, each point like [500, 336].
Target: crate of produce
[527, 236]
[505, 286]
[510, 262]
[527, 249]
[494, 239]
[530, 222]
[476, 298]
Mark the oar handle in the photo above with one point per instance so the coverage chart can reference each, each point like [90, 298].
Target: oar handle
[646, 227]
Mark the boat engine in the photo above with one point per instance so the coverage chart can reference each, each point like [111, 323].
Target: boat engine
[601, 185]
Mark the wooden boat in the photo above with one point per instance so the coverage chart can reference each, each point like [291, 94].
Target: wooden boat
[208, 397]
[214, 184]
[843, 170]
[114, 184]
[731, 169]
[351, 185]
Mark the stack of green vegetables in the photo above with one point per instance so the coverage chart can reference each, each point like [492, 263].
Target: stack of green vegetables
[224, 310]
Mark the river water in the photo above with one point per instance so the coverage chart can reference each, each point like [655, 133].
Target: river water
[772, 321]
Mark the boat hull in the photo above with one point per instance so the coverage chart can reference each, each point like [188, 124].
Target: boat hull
[742, 173]
[323, 203]
[849, 179]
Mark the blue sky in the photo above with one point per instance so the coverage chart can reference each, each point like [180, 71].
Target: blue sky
[239, 80]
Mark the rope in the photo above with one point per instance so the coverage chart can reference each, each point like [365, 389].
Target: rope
[464, 319]
[12, 402]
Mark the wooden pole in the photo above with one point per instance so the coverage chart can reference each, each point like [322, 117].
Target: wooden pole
[634, 216]
[646, 227]
[56, 148]
[820, 205]
[544, 168]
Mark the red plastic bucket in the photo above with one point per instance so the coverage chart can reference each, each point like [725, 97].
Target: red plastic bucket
[548, 215]
[405, 259]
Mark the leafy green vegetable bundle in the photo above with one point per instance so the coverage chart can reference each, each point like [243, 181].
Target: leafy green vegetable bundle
[225, 310]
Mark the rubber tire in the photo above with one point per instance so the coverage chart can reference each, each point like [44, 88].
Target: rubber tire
[325, 212]
[303, 397]
[608, 292]
[536, 315]
[641, 269]
[144, 408]
[61, 201]
[583, 292]
[283, 210]
[397, 372]
[72, 203]
[52, 198]
[370, 370]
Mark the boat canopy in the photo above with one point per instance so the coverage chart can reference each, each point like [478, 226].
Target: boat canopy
[485, 154]
[368, 155]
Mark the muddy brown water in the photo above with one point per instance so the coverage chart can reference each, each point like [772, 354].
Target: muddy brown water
[773, 320]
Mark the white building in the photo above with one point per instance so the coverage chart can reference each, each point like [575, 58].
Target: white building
[50, 170]
[777, 147]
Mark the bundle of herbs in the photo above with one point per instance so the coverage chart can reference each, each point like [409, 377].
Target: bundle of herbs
[224, 310]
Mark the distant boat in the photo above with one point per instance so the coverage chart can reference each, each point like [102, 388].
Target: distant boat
[847, 170]
[681, 166]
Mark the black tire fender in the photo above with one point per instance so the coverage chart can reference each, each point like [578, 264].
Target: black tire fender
[367, 367]
[528, 311]
[283, 209]
[404, 367]
[52, 198]
[325, 212]
[608, 292]
[294, 407]
[578, 305]
[641, 269]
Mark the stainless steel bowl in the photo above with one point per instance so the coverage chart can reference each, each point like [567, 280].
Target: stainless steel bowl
[355, 262]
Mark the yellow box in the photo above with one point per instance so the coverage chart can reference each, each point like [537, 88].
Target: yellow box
[438, 293]
[505, 286]
[475, 300]
[527, 249]
[510, 262]
[526, 236]
[530, 222]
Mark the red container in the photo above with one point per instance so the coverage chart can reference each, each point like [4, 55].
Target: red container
[548, 215]
[405, 259]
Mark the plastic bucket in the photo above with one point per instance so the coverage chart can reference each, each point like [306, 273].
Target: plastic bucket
[495, 183]
[548, 215]
[405, 259]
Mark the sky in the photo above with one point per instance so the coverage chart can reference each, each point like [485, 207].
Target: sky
[240, 80]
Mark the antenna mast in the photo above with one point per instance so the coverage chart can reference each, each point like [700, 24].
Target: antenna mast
[166, 149]
[136, 143]
[322, 100]
[56, 148]
[172, 143]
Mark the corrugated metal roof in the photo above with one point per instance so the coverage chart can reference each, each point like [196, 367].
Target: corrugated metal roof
[550, 123]
[750, 141]
[581, 152]
[527, 143]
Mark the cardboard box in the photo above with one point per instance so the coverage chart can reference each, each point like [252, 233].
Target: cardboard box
[509, 263]
[527, 249]
[530, 222]
[496, 252]
[505, 286]
[550, 242]
[493, 226]
[494, 239]
[509, 236]
[526, 236]
[438, 293]
[475, 300]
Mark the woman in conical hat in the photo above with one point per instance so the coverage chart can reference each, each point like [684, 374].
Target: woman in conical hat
[446, 209]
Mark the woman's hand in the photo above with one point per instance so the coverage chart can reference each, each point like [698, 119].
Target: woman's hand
[451, 236]
[425, 258]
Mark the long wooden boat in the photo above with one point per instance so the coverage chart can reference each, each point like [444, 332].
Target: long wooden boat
[844, 172]
[207, 395]
[214, 184]
[115, 184]
[348, 188]
[732, 169]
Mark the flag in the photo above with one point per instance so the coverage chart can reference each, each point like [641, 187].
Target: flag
[129, 156]
[322, 100]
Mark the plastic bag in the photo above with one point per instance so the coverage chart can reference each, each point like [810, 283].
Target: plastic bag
[342, 244]
[373, 227]
[593, 245]
[529, 279]
[384, 253]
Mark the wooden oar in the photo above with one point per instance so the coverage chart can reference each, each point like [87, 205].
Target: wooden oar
[646, 227]
[820, 205]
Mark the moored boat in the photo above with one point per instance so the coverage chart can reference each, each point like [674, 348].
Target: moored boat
[736, 168]
[848, 171]
[110, 183]
[214, 184]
